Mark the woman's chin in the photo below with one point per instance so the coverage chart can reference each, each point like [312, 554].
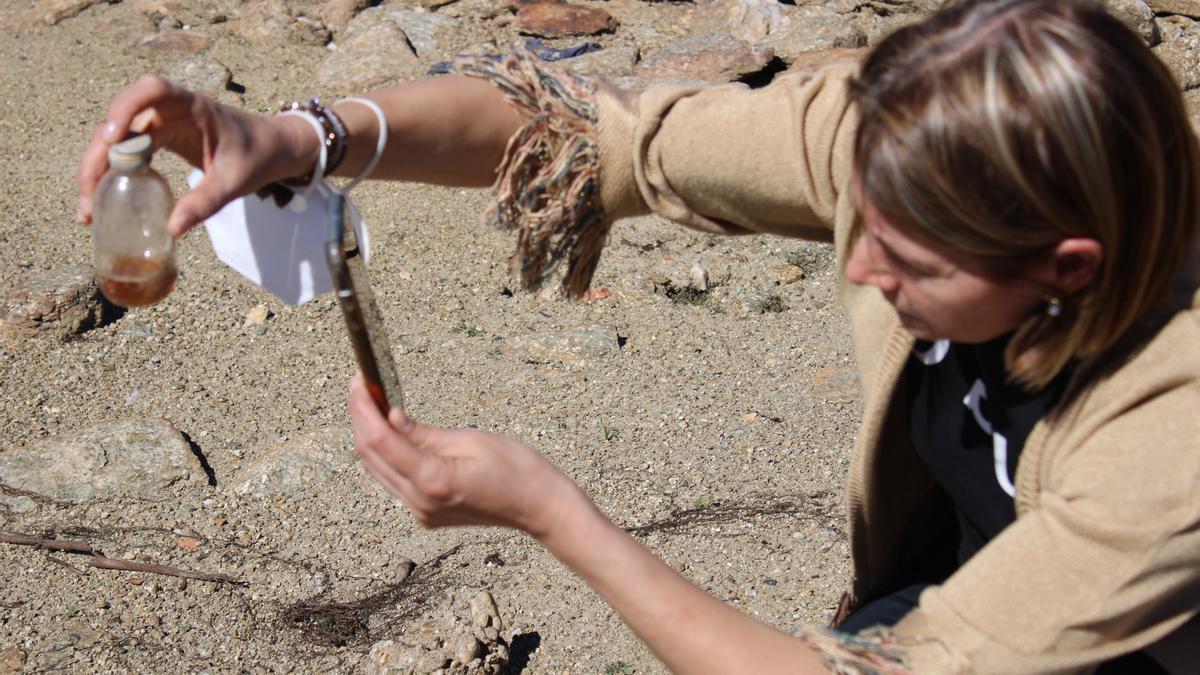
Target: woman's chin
[916, 327]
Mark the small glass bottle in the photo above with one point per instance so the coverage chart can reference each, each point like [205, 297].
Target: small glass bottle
[134, 255]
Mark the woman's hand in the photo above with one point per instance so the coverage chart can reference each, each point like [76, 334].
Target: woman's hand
[238, 151]
[460, 476]
[464, 477]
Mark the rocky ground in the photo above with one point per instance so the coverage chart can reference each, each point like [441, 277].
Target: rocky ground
[207, 436]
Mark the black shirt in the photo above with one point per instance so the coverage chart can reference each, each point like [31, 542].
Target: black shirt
[969, 424]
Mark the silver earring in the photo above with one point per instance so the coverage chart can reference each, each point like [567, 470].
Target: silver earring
[1053, 307]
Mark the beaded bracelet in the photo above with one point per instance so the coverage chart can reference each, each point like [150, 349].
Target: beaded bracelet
[335, 131]
[332, 133]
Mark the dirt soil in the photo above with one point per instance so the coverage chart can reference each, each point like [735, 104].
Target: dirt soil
[718, 432]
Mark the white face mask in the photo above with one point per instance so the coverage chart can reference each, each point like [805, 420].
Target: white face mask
[281, 249]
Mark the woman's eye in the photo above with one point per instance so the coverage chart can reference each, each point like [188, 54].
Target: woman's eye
[908, 267]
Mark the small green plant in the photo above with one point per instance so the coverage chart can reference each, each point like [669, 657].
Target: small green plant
[471, 331]
[184, 628]
[619, 668]
[771, 304]
[608, 432]
[72, 610]
[704, 502]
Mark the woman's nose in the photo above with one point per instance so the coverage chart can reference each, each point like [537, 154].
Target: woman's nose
[866, 269]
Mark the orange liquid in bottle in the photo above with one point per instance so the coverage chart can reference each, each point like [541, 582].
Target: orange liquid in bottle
[137, 282]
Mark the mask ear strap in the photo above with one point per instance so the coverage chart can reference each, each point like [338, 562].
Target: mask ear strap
[380, 142]
[319, 170]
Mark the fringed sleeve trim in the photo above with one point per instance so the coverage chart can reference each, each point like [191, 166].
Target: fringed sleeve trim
[547, 186]
[872, 652]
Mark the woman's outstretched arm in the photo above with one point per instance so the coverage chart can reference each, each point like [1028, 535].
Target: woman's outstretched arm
[448, 130]
[689, 630]
[451, 477]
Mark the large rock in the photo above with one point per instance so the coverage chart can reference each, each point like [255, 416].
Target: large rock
[189, 12]
[886, 7]
[373, 56]
[814, 28]
[712, 57]
[559, 19]
[141, 458]
[880, 18]
[428, 32]
[280, 20]
[1185, 7]
[202, 74]
[54, 11]
[297, 464]
[337, 14]
[1180, 49]
[754, 20]
[807, 62]
[615, 60]
[1192, 100]
[383, 45]
[487, 12]
[455, 645]
[61, 303]
[1137, 15]
[587, 343]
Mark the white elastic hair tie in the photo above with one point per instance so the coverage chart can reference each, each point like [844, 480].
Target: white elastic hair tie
[323, 157]
[380, 142]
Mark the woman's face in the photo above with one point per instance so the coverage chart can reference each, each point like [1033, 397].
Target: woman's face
[938, 291]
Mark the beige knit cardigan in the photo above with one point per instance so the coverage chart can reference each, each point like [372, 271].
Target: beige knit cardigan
[1104, 557]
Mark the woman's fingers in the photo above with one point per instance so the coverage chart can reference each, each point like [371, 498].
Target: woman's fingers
[399, 421]
[147, 120]
[93, 165]
[149, 91]
[389, 456]
[373, 433]
[407, 462]
[137, 108]
[389, 478]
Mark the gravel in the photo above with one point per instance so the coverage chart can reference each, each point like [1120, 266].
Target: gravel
[717, 429]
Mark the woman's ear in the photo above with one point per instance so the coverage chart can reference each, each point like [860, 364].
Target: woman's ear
[1073, 265]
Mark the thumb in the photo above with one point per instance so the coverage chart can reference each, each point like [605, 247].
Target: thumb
[399, 421]
[419, 434]
[206, 199]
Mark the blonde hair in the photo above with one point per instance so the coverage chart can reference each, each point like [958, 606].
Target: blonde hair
[1003, 127]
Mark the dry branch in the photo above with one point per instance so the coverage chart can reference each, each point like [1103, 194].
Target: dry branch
[106, 563]
[101, 561]
[48, 544]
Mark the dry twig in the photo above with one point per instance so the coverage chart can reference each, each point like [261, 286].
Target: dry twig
[338, 624]
[101, 561]
[65, 564]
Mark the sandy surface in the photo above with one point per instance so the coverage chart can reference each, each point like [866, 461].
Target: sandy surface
[710, 410]
[720, 433]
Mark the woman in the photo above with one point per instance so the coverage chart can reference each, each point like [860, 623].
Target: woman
[1014, 194]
